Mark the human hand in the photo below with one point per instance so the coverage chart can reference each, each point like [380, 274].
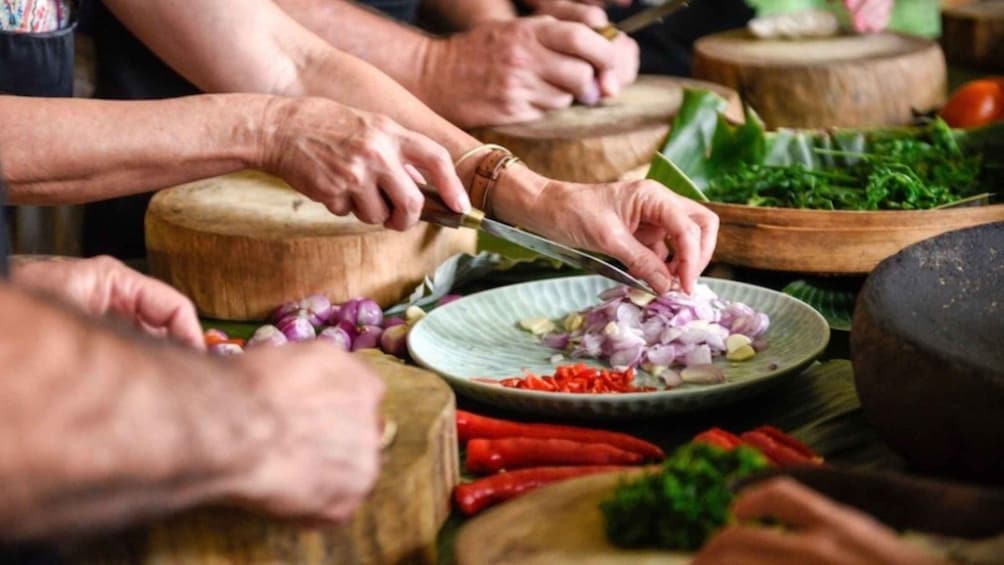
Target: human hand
[324, 457]
[357, 162]
[103, 285]
[600, 3]
[517, 70]
[869, 16]
[626, 59]
[636, 222]
[821, 532]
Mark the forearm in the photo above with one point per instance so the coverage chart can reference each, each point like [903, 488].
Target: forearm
[465, 15]
[59, 151]
[282, 57]
[394, 48]
[101, 428]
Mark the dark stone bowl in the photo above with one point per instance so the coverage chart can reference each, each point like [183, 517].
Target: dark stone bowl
[927, 344]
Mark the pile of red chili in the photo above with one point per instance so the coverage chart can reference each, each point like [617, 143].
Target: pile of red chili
[518, 457]
[579, 378]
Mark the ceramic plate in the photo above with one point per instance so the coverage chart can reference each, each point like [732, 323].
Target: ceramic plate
[478, 337]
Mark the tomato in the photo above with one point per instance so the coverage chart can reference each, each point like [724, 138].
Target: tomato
[975, 104]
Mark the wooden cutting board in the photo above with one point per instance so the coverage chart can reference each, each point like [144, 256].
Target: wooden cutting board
[600, 143]
[241, 244]
[973, 35]
[397, 524]
[559, 524]
[849, 81]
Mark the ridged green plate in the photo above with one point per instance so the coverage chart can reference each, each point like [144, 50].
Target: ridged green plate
[478, 337]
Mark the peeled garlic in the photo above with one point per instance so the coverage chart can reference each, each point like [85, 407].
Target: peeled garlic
[741, 354]
[735, 341]
[413, 314]
[573, 322]
[537, 326]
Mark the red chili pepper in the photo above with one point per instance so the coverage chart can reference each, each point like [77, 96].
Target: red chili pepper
[471, 426]
[475, 496]
[789, 441]
[719, 438]
[494, 455]
[779, 454]
[578, 378]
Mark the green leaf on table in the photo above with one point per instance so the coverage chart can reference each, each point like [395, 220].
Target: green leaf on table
[834, 303]
[664, 171]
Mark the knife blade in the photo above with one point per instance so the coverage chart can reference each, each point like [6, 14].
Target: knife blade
[435, 211]
[642, 19]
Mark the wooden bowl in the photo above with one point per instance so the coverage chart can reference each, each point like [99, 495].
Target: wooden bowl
[927, 344]
[831, 241]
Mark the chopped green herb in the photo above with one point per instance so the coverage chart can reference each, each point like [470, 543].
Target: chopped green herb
[910, 173]
[683, 503]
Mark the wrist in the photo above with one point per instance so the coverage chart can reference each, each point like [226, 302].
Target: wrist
[435, 62]
[261, 135]
[518, 192]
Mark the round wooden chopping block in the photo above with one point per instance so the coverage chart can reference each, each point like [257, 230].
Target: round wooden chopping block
[600, 143]
[241, 244]
[849, 81]
[398, 523]
[973, 35]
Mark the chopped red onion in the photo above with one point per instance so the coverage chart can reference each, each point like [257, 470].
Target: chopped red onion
[670, 330]
[369, 313]
[297, 328]
[368, 338]
[267, 336]
[338, 336]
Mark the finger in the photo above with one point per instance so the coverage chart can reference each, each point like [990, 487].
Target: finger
[370, 207]
[570, 75]
[405, 197]
[153, 303]
[577, 40]
[436, 165]
[685, 236]
[641, 261]
[609, 83]
[339, 205]
[784, 499]
[655, 239]
[546, 97]
[709, 223]
[588, 14]
[755, 546]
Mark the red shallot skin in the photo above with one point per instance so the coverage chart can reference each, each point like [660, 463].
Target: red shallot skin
[394, 340]
[347, 312]
[369, 313]
[297, 328]
[368, 338]
[338, 336]
[267, 336]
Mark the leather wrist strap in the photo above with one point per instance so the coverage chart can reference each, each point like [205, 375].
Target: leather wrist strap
[486, 176]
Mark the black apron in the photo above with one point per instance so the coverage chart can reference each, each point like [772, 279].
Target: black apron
[129, 71]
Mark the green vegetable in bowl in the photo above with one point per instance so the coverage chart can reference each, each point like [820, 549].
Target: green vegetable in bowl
[682, 504]
[895, 174]
[900, 168]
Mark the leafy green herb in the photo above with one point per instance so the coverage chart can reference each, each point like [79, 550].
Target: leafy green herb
[683, 503]
[899, 174]
[904, 168]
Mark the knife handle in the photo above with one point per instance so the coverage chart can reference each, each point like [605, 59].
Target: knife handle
[435, 211]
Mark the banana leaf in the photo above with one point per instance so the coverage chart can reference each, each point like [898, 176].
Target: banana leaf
[704, 145]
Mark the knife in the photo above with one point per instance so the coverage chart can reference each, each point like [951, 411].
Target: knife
[642, 19]
[436, 212]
